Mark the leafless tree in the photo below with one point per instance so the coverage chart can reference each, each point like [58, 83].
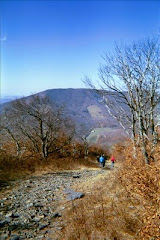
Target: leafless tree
[81, 135]
[37, 121]
[132, 74]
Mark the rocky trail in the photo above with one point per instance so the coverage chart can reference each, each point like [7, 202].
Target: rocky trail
[32, 208]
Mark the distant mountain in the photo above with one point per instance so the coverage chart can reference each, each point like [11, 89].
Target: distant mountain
[94, 118]
[84, 105]
[87, 109]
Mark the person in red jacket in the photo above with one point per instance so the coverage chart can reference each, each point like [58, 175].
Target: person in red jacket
[112, 161]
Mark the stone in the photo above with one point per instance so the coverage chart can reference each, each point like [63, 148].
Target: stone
[27, 212]
[42, 226]
[2, 224]
[76, 176]
[59, 228]
[37, 205]
[9, 214]
[62, 208]
[15, 237]
[4, 237]
[29, 205]
[44, 214]
[56, 215]
[13, 226]
[132, 207]
[8, 219]
[40, 237]
[75, 195]
[17, 205]
[68, 190]
[36, 219]
[15, 215]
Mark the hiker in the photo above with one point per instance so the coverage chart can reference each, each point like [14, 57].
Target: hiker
[112, 161]
[98, 158]
[102, 160]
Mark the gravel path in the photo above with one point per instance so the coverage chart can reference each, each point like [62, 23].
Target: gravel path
[32, 209]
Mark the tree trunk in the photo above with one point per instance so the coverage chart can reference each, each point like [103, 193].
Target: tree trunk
[143, 142]
[44, 148]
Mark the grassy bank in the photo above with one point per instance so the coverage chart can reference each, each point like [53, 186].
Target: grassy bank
[12, 167]
[123, 204]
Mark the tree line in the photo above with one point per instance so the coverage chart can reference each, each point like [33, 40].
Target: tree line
[36, 125]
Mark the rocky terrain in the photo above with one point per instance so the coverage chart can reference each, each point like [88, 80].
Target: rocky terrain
[33, 208]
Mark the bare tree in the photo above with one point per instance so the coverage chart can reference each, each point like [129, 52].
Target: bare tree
[81, 135]
[38, 121]
[132, 74]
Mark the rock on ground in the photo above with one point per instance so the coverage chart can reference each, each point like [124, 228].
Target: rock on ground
[32, 209]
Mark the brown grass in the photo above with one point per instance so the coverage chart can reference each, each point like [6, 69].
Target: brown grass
[123, 205]
[99, 216]
[142, 184]
[70, 156]
[12, 167]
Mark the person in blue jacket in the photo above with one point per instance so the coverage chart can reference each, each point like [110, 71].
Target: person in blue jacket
[102, 160]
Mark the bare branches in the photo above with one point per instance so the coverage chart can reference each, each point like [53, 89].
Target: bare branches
[132, 75]
[38, 123]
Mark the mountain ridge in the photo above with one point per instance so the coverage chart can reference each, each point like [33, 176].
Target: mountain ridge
[86, 108]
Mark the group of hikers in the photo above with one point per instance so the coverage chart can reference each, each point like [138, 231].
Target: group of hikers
[102, 160]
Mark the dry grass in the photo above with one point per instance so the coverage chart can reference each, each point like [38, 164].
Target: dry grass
[142, 184]
[123, 205]
[71, 156]
[12, 167]
[100, 214]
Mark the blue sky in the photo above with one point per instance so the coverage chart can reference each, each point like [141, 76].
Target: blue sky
[53, 44]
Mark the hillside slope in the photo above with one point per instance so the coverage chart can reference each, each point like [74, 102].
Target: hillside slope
[87, 109]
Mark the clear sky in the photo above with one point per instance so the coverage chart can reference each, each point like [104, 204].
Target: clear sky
[53, 44]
